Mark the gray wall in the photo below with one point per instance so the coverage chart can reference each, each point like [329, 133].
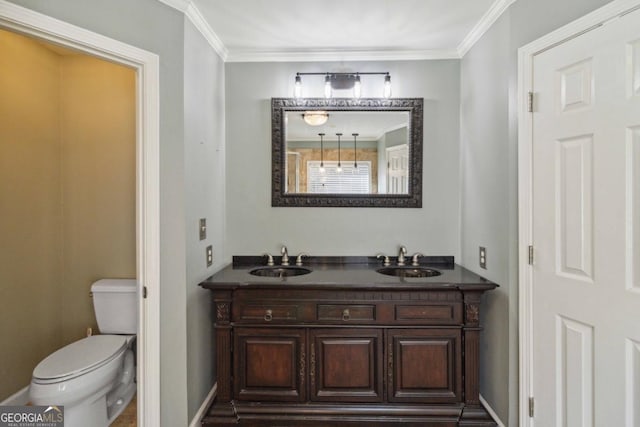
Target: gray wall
[254, 227]
[489, 200]
[153, 26]
[204, 196]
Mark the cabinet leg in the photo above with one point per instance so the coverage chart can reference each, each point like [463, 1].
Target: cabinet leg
[221, 414]
[476, 416]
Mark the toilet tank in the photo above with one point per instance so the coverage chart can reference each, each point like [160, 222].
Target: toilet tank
[115, 302]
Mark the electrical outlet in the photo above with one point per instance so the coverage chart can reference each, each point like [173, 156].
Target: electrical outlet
[483, 257]
[209, 255]
[203, 228]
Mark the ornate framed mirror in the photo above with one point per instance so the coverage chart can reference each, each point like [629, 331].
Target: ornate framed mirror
[343, 152]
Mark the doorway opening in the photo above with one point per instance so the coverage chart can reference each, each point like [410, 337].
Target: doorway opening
[145, 159]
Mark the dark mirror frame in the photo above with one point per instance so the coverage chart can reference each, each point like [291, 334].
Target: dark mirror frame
[279, 108]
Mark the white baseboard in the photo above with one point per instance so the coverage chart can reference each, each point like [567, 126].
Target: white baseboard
[19, 398]
[195, 422]
[491, 412]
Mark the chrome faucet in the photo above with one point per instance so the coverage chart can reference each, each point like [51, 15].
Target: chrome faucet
[285, 255]
[414, 259]
[299, 258]
[401, 254]
[269, 259]
[385, 259]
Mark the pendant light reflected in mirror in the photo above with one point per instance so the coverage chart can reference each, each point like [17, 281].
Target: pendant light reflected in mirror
[355, 148]
[327, 86]
[339, 168]
[357, 87]
[322, 170]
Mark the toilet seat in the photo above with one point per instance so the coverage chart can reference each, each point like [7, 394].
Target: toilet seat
[79, 357]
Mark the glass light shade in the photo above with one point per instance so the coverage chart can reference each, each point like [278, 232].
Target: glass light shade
[387, 87]
[327, 87]
[357, 88]
[315, 118]
[297, 90]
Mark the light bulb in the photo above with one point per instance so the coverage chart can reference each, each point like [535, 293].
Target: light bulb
[339, 168]
[322, 169]
[297, 90]
[357, 88]
[387, 86]
[327, 86]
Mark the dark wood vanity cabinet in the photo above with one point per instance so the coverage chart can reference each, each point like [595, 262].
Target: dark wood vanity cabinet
[305, 356]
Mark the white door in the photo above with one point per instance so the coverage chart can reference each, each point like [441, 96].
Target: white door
[398, 169]
[586, 229]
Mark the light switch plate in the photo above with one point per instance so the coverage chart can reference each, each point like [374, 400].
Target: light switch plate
[203, 228]
[209, 255]
[483, 257]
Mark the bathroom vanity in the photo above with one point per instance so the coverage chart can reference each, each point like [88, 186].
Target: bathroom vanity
[346, 345]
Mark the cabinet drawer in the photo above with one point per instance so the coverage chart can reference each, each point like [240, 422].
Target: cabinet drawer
[346, 312]
[265, 313]
[433, 314]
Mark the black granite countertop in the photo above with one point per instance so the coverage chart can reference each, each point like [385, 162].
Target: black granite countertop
[360, 272]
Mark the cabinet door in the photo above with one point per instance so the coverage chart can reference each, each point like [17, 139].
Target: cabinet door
[269, 364]
[346, 365]
[424, 365]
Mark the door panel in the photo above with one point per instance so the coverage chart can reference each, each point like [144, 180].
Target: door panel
[398, 169]
[586, 229]
[269, 364]
[346, 364]
[424, 365]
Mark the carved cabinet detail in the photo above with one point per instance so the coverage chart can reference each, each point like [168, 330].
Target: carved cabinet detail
[301, 356]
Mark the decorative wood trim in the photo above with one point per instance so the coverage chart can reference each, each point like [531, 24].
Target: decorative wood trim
[279, 106]
[223, 362]
[222, 312]
[302, 367]
[472, 313]
[312, 367]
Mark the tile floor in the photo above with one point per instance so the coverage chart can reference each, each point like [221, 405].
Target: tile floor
[128, 417]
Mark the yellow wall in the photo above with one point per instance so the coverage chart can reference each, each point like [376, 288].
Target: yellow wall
[67, 196]
[98, 181]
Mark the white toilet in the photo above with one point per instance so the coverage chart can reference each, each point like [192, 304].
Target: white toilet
[94, 378]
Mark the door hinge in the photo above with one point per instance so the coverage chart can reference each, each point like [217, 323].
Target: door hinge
[531, 402]
[530, 254]
[144, 292]
[530, 102]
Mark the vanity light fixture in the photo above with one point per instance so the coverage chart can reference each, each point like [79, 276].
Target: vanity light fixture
[357, 87]
[339, 168]
[315, 118]
[297, 89]
[387, 87]
[327, 86]
[321, 152]
[341, 81]
[355, 145]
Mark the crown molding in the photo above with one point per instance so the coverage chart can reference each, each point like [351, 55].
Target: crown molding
[180, 5]
[196, 18]
[339, 55]
[488, 19]
[192, 12]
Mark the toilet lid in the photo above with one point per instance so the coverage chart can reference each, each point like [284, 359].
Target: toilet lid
[80, 356]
